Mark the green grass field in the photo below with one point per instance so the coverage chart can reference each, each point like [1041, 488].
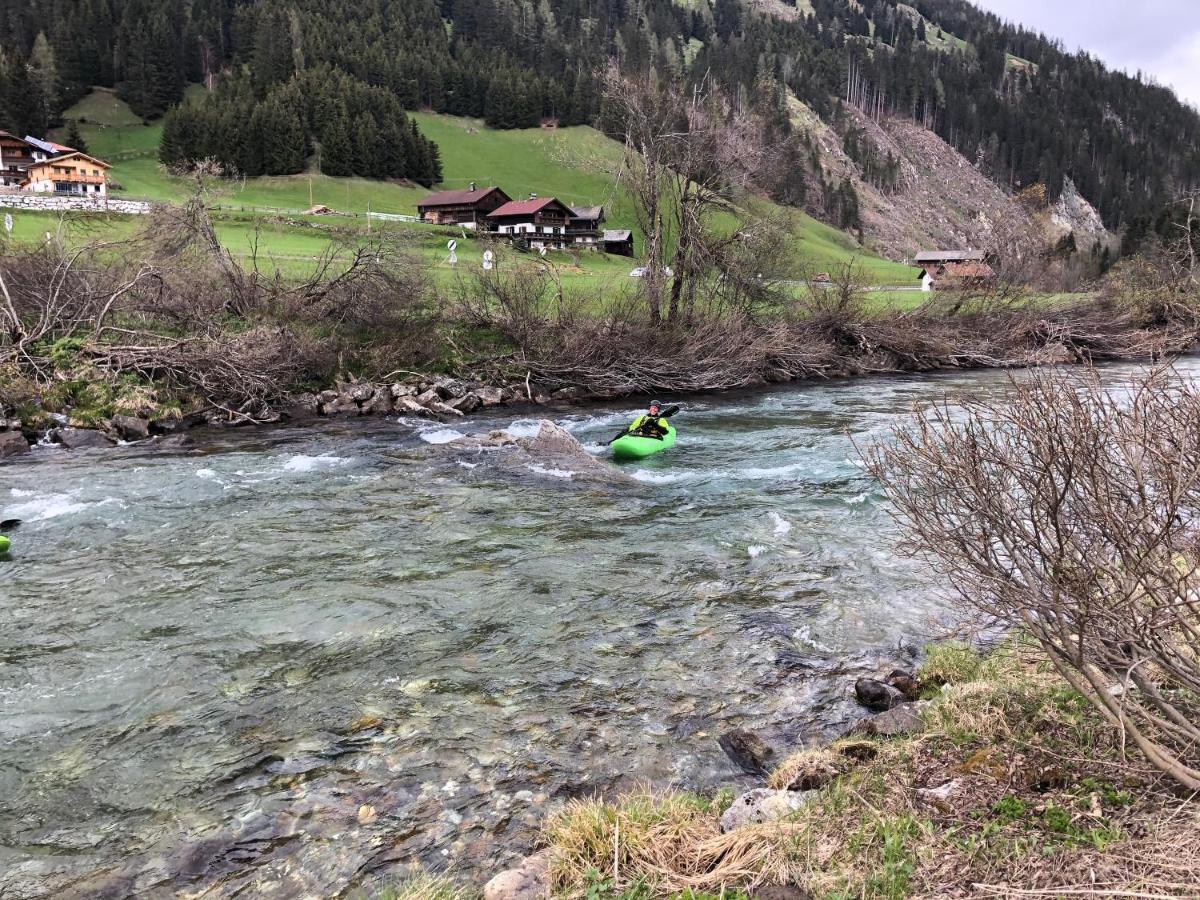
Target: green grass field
[577, 165]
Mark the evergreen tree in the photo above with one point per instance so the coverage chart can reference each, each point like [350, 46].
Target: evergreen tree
[74, 137]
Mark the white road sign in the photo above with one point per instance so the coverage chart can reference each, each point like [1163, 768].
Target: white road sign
[488, 258]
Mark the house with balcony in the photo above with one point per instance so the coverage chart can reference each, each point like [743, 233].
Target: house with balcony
[467, 208]
[541, 223]
[16, 156]
[584, 228]
[70, 174]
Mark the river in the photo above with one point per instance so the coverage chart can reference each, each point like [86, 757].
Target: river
[301, 660]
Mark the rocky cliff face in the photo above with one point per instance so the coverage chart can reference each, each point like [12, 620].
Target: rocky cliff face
[940, 199]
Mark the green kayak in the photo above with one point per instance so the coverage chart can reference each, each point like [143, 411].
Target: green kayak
[633, 446]
[5, 545]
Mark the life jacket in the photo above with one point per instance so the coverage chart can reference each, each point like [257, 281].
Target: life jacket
[642, 421]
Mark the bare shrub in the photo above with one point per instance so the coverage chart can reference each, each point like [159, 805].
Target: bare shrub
[1071, 510]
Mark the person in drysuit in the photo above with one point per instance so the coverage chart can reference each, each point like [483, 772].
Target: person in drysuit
[652, 424]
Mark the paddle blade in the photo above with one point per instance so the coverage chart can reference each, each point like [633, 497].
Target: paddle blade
[669, 411]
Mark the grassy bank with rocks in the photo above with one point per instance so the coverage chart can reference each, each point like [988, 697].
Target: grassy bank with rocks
[1011, 785]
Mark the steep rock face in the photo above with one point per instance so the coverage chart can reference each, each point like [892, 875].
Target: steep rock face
[940, 198]
[1072, 213]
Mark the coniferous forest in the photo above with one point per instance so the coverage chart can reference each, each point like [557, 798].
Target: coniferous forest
[333, 78]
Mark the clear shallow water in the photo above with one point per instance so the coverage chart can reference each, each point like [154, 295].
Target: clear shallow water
[211, 662]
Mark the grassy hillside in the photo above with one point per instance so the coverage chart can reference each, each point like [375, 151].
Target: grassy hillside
[577, 165]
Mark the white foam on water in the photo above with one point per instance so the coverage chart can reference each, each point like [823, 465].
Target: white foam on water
[756, 550]
[45, 506]
[649, 477]
[857, 499]
[782, 525]
[441, 436]
[553, 473]
[468, 465]
[17, 492]
[777, 472]
[302, 463]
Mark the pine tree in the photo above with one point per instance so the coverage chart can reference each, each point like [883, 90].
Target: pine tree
[43, 72]
[337, 153]
[74, 138]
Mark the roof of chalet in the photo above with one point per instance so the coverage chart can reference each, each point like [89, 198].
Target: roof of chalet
[525, 207]
[616, 237]
[71, 154]
[49, 146]
[9, 134]
[935, 256]
[587, 212]
[458, 198]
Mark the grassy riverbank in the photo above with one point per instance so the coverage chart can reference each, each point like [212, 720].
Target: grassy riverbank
[1016, 787]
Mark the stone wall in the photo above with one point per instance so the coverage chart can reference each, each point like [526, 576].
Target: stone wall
[52, 203]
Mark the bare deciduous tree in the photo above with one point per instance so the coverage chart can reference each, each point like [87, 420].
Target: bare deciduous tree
[1072, 510]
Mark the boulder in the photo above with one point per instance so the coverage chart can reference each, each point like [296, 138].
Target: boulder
[339, 405]
[899, 720]
[302, 407]
[450, 388]
[528, 881]
[467, 403]
[327, 397]
[877, 696]
[131, 428]
[80, 438]
[12, 443]
[490, 396]
[359, 393]
[409, 405]
[747, 750]
[381, 404]
[905, 683]
[763, 805]
[403, 390]
[442, 409]
[566, 394]
[174, 425]
[428, 397]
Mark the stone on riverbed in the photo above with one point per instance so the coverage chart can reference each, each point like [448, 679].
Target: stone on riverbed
[899, 720]
[12, 443]
[763, 805]
[747, 750]
[80, 438]
[131, 428]
[528, 881]
[877, 696]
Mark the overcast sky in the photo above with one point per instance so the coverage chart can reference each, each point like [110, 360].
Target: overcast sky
[1160, 37]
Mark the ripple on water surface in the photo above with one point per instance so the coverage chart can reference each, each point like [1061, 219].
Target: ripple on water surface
[306, 658]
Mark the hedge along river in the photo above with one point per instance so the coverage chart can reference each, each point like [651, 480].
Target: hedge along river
[304, 660]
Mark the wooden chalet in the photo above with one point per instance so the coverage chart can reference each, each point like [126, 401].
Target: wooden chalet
[16, 156]
[585, 224]
[470, 207]
[958, 276]
[619, 243]
[71, 173]
[539, 222]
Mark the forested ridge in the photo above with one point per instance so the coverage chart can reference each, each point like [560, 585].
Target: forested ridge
[1015, 103]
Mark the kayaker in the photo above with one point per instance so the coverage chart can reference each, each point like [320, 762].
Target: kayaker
[651, 425]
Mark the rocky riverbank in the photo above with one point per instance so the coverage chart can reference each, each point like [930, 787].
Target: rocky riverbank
[438, 398]
[985, 776]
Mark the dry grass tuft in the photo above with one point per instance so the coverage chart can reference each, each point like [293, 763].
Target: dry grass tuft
[809, 770]
[426, 886]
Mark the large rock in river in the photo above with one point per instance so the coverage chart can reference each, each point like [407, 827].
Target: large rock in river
[551, 453]
[12, 443]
